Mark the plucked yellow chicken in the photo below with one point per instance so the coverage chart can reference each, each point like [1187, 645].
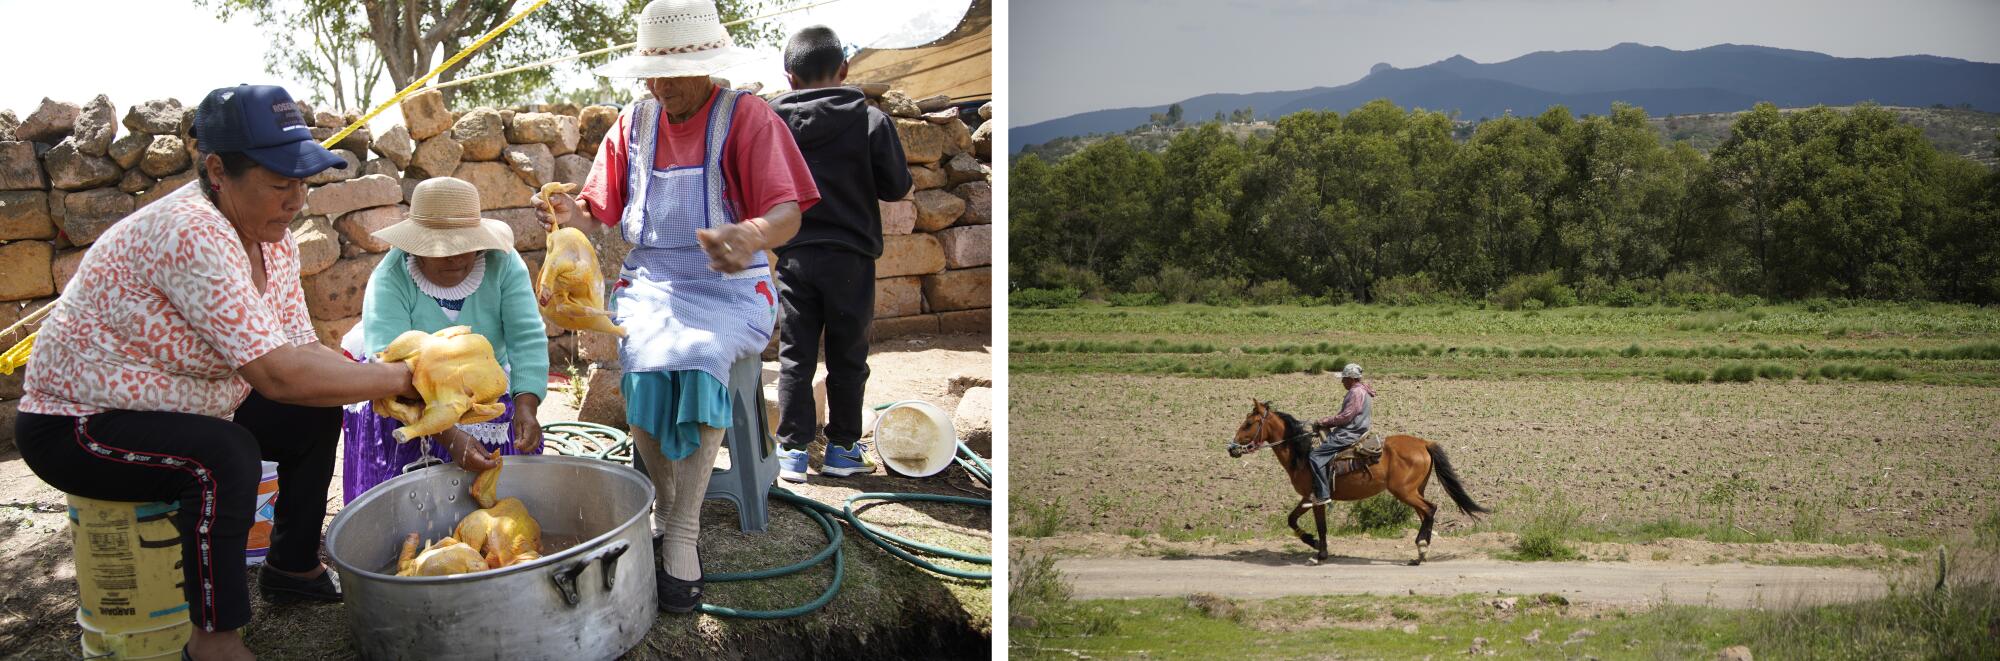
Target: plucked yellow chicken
[456, 373]
[446, 557]
[500, 535]
[571, 289]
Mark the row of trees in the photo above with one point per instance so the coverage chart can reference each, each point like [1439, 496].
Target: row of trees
[1793, 204]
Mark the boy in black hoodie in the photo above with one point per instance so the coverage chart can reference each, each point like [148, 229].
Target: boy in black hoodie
[826, 274]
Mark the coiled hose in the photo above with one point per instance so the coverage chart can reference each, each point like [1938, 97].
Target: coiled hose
[584, 439]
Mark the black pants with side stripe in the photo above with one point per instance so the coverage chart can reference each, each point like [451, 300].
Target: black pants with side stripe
[210, 466]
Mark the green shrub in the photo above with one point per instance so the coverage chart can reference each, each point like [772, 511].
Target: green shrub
[1137, 299]
[1415, 289]
[1273, 292]
[1380, 514]
[1220, 291]
[1775, 372]
[1624, 296]
[1546, 533]
[1546, 289]
[1882, 373]
[1738, 373]
[1043, 298]
[1064, 276]
[1040, 518]
[1175, 284]
[1685, 376]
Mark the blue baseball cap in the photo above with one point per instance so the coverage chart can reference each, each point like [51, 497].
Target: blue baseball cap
[264, 123]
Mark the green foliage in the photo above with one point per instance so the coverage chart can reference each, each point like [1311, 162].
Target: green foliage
[1737, 373]
[1415, 289]
[1136, 299]
[1775, 371]
[1040, 518]
[1394, 205]
[1380, 514]
[1546, 533]
[1030, 299]
[1685, 376]
[1273, 292]
[1533, 292]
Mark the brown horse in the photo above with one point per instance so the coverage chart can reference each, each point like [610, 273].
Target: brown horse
[1404, 470]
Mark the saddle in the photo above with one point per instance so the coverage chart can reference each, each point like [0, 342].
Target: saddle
[1357, 457]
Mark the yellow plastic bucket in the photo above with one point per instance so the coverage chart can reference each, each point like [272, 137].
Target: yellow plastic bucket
[128, 572]
[162, 643]
[260, 523]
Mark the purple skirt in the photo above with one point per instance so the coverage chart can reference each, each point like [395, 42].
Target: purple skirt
[372, 456]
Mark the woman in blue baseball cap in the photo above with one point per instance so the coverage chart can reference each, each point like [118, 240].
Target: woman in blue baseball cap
[182, 355]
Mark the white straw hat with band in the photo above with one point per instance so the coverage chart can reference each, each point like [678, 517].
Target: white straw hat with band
[679, 38]
[444, 221]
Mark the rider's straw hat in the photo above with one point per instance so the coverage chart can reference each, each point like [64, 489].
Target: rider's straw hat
[444, 221]
[679, 38]
[1351, 371]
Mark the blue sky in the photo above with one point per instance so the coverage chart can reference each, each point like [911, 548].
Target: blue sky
[1070, 56]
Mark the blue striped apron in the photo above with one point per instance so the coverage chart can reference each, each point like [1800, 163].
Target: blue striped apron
[679, 314]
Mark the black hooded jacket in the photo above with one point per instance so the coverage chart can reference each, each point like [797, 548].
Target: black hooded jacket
[856, 160]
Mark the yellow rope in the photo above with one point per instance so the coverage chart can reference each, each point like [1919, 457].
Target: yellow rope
[419, 83]
[601, 51]
[17, 356]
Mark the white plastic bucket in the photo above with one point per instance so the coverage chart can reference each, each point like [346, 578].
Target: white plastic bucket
[915, 438]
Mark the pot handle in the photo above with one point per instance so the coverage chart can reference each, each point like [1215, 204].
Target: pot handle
[565, 575]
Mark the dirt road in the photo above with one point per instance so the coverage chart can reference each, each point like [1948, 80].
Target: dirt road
[1619, 584]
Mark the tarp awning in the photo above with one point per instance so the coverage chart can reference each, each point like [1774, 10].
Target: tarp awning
[958, 65]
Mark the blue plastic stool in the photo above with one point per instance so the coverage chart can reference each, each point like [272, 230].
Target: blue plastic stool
[753, 456]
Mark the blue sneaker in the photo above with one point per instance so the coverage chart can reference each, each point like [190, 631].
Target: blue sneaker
[844, 462]
[792, 465]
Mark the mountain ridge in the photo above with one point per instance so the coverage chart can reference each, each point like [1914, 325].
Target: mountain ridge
[1664, 81]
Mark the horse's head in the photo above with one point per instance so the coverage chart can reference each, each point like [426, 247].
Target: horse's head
[1261, 428]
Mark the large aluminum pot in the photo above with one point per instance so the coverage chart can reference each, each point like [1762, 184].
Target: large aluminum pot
[594, 600]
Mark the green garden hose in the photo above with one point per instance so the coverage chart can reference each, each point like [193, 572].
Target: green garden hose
[583, 439]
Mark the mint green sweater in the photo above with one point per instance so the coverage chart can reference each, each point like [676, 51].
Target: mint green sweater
[502, 309]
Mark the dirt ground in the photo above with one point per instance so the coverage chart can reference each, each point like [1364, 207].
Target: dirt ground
[1611, 574]
[1858, 459]
[886, 607]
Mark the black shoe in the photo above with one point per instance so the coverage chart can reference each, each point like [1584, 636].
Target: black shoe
[676, 595]
[280, 588]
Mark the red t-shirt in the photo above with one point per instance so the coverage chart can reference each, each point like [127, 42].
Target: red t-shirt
[761, 165]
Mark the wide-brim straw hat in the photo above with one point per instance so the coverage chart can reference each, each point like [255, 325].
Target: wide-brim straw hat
[679, 38]
[444, 221]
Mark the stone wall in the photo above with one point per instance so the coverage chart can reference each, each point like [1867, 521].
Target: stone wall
[68, 172]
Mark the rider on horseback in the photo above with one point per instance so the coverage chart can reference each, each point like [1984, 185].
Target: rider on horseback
[1343, 430]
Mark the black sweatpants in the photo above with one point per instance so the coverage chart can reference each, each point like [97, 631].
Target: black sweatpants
[827, 290]
[210, 466]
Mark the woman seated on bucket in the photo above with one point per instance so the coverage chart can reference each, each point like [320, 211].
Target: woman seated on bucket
[188, 313]
[448, 267]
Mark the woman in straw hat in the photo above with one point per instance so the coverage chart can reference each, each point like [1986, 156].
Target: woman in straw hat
[700, 181]
[182, 354]
[447, 267]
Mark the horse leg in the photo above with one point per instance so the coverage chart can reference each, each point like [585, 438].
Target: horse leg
[1293, 521]
[1425, 509]
[1319, 521]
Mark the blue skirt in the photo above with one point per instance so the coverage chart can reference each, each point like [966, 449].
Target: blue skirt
[673, 406]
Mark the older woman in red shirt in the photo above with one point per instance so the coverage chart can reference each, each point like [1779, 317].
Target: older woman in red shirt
[182, 354]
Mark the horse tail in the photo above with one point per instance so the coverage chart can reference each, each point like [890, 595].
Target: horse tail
[1449, 478]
